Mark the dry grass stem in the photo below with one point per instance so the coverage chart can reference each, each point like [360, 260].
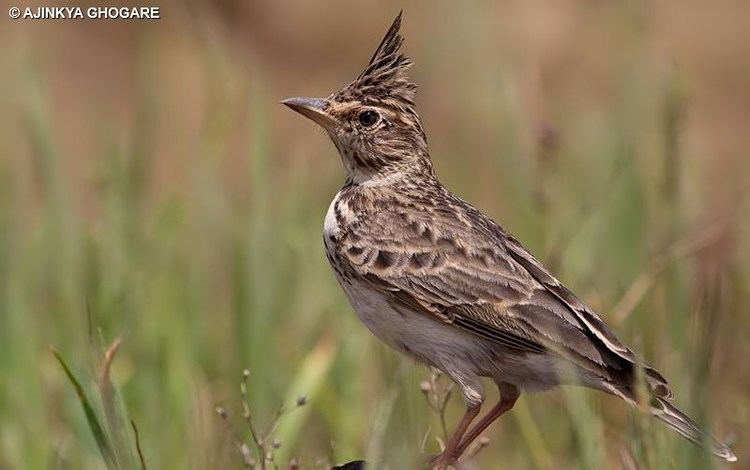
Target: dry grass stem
[675, 252]
[136, 437]
[264, 444]
[438, 393]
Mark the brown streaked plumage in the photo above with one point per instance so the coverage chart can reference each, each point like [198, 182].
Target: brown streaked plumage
[439, 281]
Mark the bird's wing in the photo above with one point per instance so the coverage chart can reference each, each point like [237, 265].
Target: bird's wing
[456, 264]
[585, 316]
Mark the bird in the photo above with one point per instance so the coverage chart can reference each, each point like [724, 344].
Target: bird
[439, 281]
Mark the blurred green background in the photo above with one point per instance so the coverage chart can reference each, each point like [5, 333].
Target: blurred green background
[152, 188]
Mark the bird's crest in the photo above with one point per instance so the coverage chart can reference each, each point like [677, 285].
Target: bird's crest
[385, 74]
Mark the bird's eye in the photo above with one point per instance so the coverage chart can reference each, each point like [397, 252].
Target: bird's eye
[368, 118]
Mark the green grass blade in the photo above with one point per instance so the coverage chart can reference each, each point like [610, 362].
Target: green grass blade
[93, 421]
[533, 436]
[309, 381]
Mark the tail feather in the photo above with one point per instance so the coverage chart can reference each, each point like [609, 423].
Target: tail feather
[682, 423]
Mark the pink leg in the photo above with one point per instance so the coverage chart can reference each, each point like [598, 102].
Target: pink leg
[451, 453]
[508, 396]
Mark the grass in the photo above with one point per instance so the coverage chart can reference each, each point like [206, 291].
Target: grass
[190, 229]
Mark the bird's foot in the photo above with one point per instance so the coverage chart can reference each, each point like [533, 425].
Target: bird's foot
[443, 461]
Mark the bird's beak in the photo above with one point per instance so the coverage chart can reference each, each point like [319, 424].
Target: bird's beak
[313, 108]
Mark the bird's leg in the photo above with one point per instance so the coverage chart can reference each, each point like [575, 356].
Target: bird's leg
[508, 396]
[450, 454]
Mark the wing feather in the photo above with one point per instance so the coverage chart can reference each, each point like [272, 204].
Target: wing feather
[459, 266]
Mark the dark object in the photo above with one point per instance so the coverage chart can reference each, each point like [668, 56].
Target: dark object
[353, 465]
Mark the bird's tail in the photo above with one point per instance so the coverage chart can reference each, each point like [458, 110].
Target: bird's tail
[682, 423]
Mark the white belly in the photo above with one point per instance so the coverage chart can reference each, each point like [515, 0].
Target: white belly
[414, 333]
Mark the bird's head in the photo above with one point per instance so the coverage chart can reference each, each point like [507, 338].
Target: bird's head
[373, 121]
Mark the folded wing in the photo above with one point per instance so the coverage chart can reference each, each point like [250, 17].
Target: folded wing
[485, 282]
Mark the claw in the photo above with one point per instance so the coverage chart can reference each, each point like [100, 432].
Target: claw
[442, 461]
